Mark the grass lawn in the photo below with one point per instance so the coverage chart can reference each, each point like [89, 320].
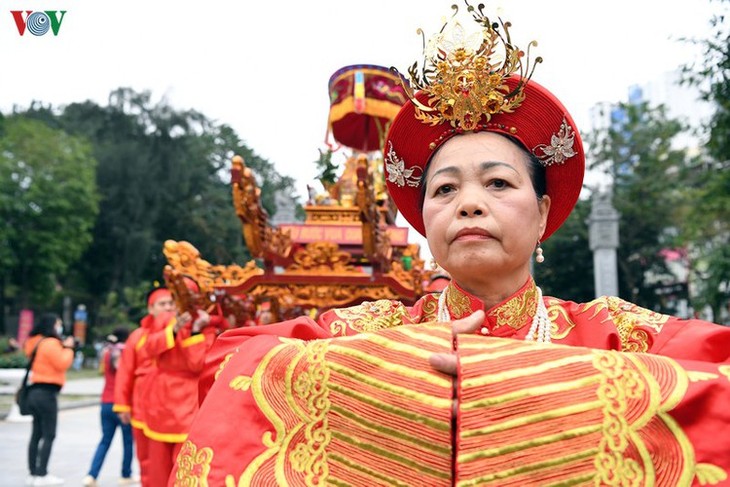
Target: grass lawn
[82, 374]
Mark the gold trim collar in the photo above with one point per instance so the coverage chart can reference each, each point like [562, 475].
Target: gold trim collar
[504, 318]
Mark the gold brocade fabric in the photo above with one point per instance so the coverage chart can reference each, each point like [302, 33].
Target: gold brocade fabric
[368, 409]
[554, 415]
[355, 411]
[368, 316]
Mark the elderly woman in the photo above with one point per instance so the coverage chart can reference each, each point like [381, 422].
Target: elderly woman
[474, 385]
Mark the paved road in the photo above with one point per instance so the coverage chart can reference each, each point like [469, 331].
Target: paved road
[79, 431]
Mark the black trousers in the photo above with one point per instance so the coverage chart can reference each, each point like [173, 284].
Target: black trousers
[43, 399]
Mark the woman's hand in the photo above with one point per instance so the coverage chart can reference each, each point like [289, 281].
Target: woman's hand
[447, 362]
[68, 342]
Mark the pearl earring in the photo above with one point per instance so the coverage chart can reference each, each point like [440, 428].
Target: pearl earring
[539, 257]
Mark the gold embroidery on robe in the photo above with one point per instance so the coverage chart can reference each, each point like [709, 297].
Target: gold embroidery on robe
[632, 322]
[698, 376]
[332, 406]
[369, 316]
[561, 324]
[429, 311]
[457, 302]
[240, 383]
[193, 465]
[708, 474]
[724, 370]
[604, 420]
[223, 363]
[635, 325]
[518, 310]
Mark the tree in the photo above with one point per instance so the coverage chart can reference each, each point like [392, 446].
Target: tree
[707, 232]
[48, 205]
[163, 174]
[565, 272]
[636, 153]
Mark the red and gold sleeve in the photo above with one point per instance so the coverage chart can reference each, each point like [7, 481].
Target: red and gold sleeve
[358, 410]
[369, 410]
[195, 346]
[160, 339]
[550, 414]
[232, 341]
[693, 340]
[366, 317]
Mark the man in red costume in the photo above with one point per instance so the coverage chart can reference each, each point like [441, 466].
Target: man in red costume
[133, 375]
[177, 345]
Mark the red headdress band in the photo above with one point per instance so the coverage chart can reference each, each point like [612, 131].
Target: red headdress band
[157, 294]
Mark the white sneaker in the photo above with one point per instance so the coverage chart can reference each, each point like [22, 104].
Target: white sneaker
[30, 480]
[128, 480]
[89, 481]
[48, 480]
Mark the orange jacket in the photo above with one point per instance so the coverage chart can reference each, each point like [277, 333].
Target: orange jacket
[52, 360]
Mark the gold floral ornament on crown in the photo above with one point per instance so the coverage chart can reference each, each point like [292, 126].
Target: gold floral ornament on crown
[464, 75]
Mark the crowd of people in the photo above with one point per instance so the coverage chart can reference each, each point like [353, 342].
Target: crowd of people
[484, 380]
[150, 387]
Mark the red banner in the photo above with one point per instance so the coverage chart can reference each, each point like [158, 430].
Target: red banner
[25, 325]
[340, 234]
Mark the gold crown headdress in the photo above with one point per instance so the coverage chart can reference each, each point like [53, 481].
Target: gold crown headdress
[464, 76]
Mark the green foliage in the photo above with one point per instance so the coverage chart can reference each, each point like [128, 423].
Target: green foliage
[16, 360]
[637, 155]
[707, 180]
[327, 170]
[566, 272]
[712, 77]
[48, 205]
[121, 309]
[162, 174]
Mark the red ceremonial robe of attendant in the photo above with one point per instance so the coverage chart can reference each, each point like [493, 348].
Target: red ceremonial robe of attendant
[638, 397]
[172, 400]
[130, 390]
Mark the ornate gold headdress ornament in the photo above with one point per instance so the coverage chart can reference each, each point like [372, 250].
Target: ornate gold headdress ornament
[464, 75]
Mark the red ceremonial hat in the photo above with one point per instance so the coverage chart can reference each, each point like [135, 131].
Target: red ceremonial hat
[156, 294]
[463, 88]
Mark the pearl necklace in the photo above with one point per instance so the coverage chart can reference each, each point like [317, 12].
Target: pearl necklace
[539, 331]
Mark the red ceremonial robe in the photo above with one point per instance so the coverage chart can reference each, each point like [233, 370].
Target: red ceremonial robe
[130, 390]
[638, 397]
[172, 400]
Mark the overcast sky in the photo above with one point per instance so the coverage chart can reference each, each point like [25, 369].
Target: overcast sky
[262, 67]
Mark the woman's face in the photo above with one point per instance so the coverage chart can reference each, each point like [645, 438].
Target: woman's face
[481, 214]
